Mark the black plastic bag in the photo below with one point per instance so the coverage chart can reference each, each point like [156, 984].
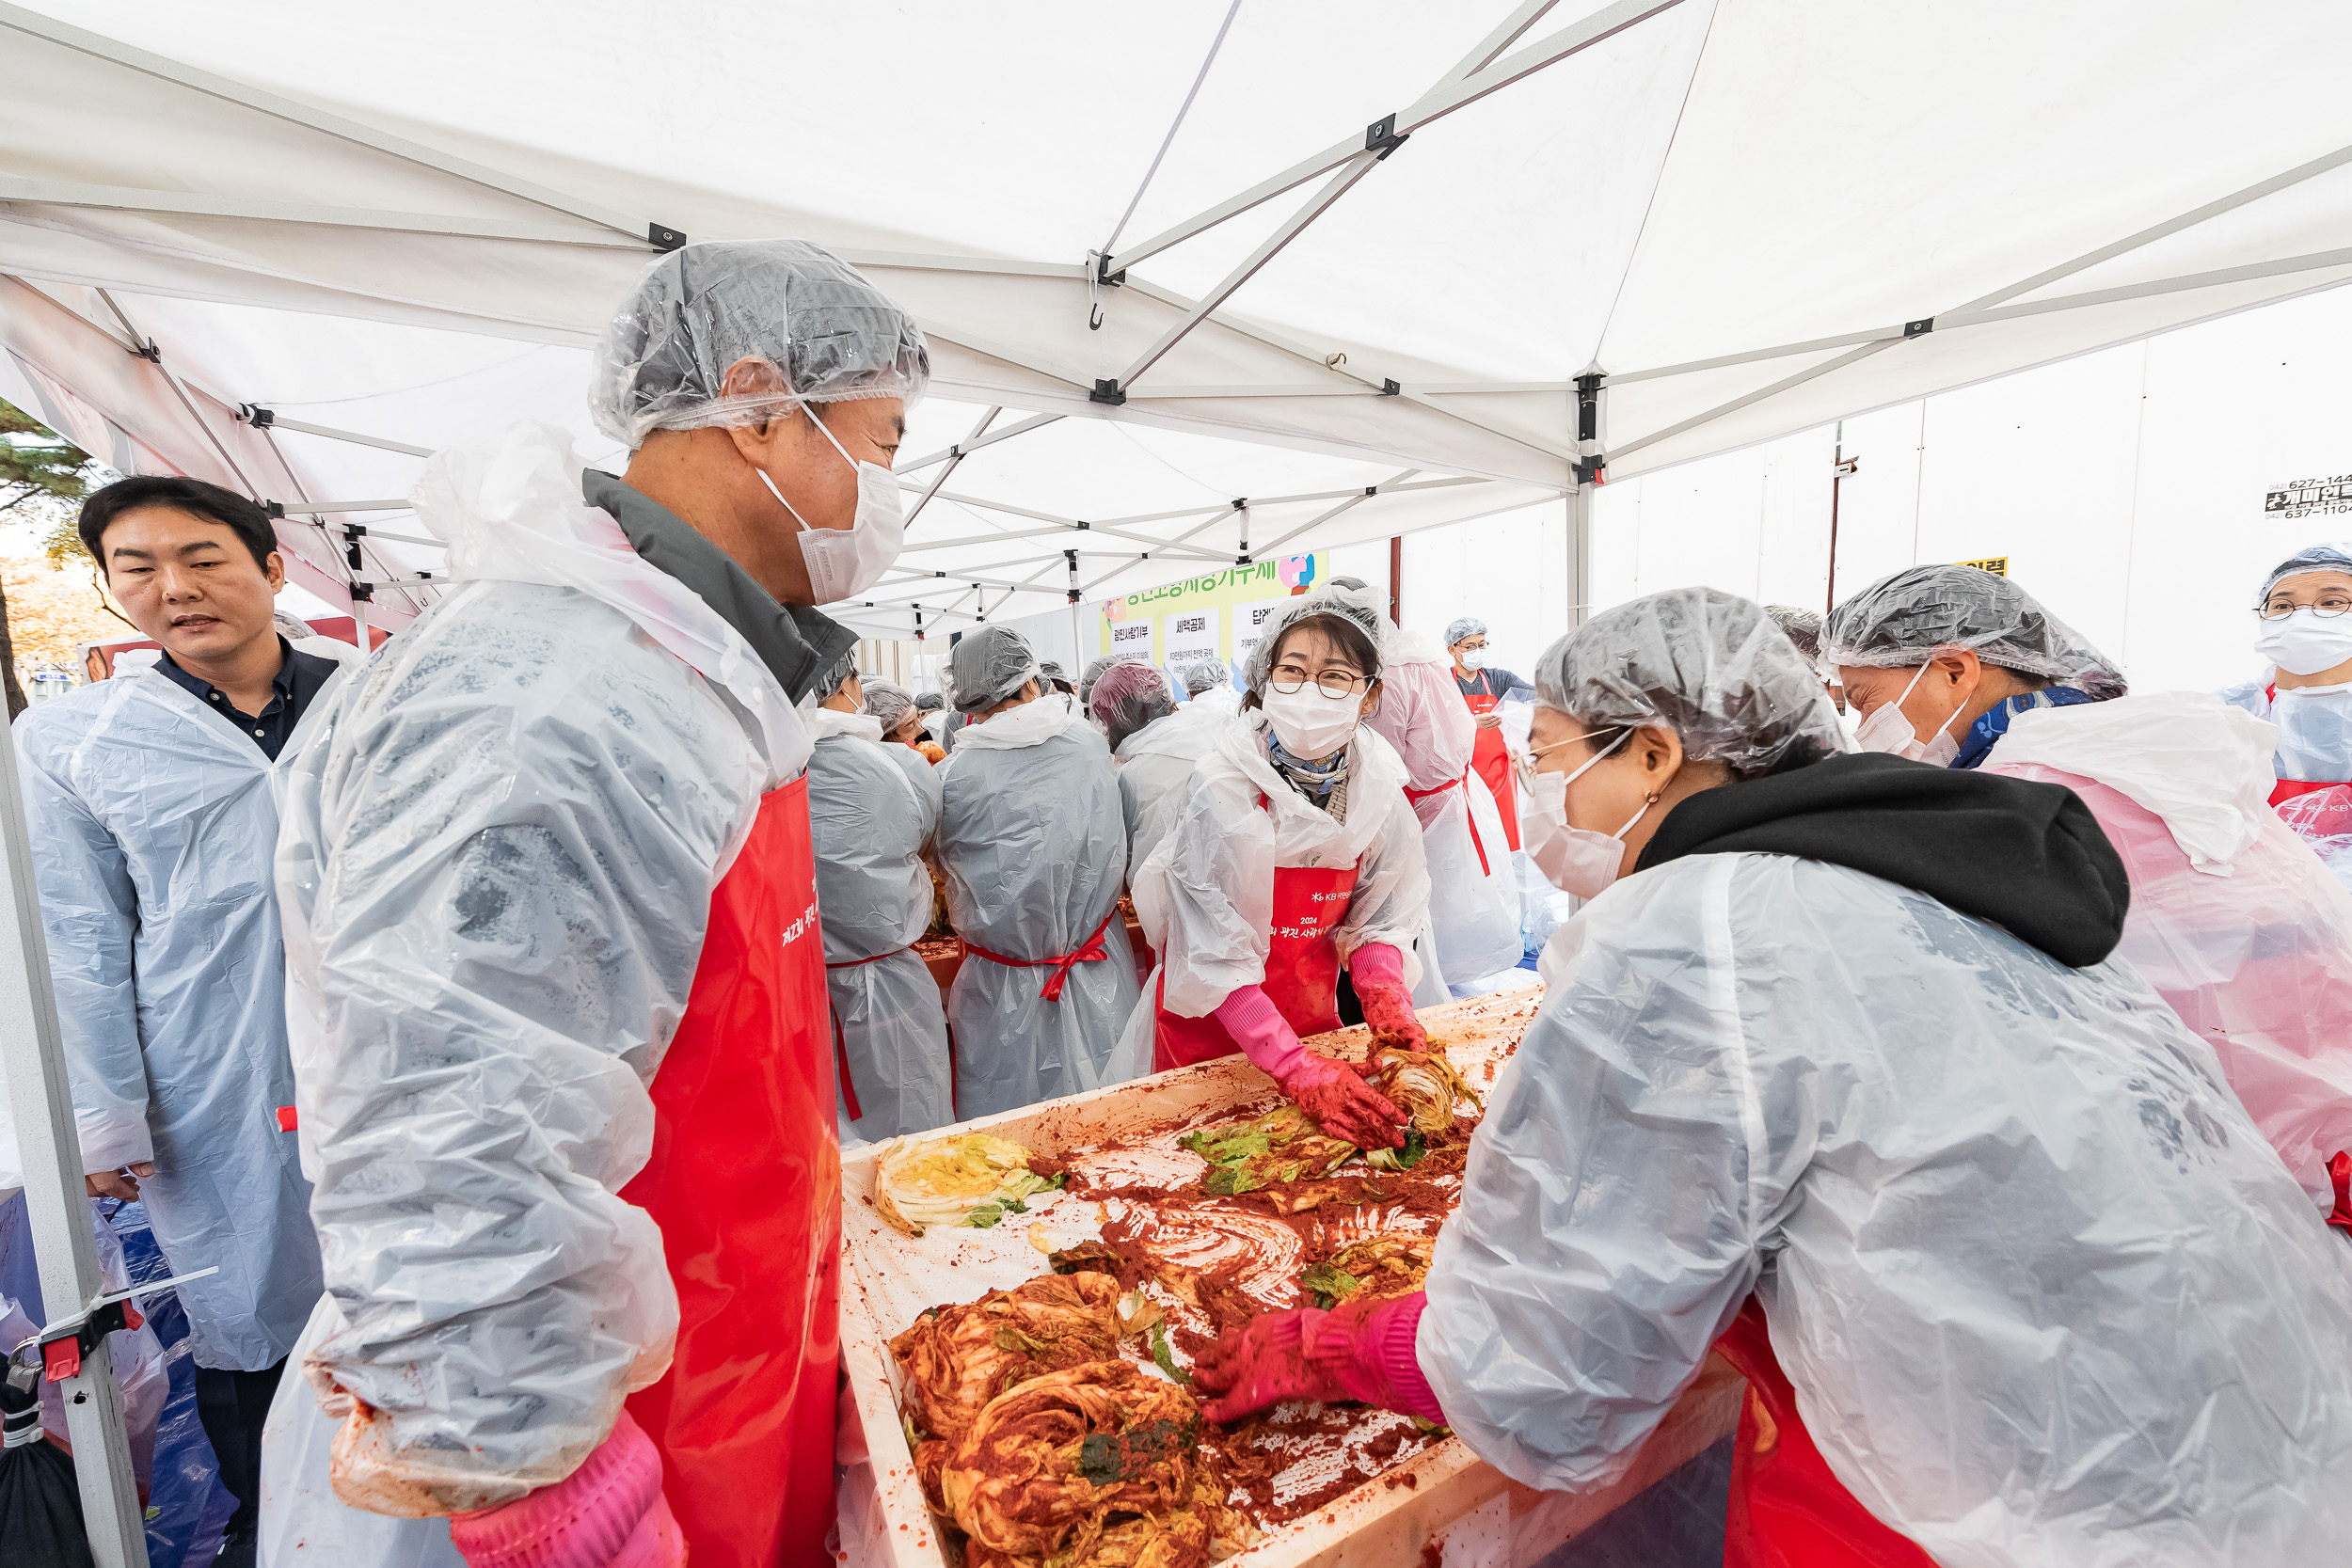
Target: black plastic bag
[40, 1504]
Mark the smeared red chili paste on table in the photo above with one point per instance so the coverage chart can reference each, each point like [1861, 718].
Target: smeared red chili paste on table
[1192, 1262]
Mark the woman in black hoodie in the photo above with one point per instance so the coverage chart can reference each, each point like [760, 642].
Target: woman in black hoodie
[1833, 1071]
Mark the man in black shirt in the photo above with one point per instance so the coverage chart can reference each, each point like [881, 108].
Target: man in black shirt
[153, 826]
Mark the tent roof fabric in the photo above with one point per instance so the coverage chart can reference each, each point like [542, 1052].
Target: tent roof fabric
[1383, 244]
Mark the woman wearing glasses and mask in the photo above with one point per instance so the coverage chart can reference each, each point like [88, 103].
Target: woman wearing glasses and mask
[1835, 1074]
[1295, 855]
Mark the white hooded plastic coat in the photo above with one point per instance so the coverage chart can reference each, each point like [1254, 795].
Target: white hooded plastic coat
[1205, 898]
[1034, 847]
[1155, 767]
[2235, 923]
[1474, 898]
[2044, 1294]
[497, 869]
[153, 820]
[869, 814]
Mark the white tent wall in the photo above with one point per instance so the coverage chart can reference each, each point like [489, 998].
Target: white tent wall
[2126, 488]
[1510, 572]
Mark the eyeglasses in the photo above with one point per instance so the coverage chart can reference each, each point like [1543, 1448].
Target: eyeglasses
[2326, 609]
[1335, 684]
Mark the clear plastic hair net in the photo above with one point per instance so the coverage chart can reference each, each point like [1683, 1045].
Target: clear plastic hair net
[987, 665]
[2315, 558]
[1802, 626]
[1127, 697]
[1332, 605]
[1093, 673]
[888, 702]
[1207, 676]
[929, 701]
[700, 311]
[1049, 671]
[1469, 625]
[1708, 665]
[1909, 618]
[839, 675]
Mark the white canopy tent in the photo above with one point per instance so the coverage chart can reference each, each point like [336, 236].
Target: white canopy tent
[1621, 237]
[1391, 265]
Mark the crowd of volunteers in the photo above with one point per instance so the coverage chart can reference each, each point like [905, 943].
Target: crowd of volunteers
[1966, 1057]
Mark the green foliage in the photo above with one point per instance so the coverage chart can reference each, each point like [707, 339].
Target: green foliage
[49, 467]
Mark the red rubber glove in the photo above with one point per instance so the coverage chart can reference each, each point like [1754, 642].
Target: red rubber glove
[1362, 1351]
[608, 1513]
[1378, 971]
[1333, 1093]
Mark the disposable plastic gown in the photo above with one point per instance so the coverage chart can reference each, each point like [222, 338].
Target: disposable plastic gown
[153, 822]
[869, 816]
[1034, 847]
[496, 871]
[1474, 898]
[1155, 767]
[2045, 1295]
[2238, 926]
[1205, 897]
[2314, 723]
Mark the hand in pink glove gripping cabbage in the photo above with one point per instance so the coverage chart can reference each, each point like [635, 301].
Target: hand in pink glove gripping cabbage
[1362, 1350]
[1332, 1092]
[1379, 972]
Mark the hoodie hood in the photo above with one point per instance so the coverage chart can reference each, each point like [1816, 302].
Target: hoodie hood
[2028, 857]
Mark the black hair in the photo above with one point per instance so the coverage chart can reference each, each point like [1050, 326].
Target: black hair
[1353, 640]
[240, 516]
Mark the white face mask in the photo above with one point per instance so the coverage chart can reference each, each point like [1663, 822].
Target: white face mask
[2306, 643]
[1576, 859]
[1474, 658]
[1887, 729]
[1309, 725]
[844, 563]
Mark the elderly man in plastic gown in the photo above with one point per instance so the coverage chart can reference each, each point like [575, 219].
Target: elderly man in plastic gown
[151, 803]
[2237, 926]
[2304, 635]
[1034, 847]
[872, 805]
[1834, 1073]
[557, 986]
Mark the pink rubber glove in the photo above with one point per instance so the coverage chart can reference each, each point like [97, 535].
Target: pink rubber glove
[608, 1513]
[1362, 1351]
[1378, 971]
[1333, 1093]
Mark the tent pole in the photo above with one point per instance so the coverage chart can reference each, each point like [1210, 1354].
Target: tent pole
[1592, 408]
[32, 1057]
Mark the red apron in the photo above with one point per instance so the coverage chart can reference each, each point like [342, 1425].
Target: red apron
[1786, 1510]
[745, 1182]
[1491, 757]
[1302, 968]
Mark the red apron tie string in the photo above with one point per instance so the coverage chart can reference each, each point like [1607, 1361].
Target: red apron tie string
[1088, 952]
[841, 1059]
[1480, 845]
[840, 1041]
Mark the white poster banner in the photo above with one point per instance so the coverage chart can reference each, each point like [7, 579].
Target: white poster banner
[1250, 622]
[1131, 639]
[1192, 636]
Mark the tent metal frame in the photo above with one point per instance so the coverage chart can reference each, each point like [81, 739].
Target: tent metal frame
[1504, 57]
